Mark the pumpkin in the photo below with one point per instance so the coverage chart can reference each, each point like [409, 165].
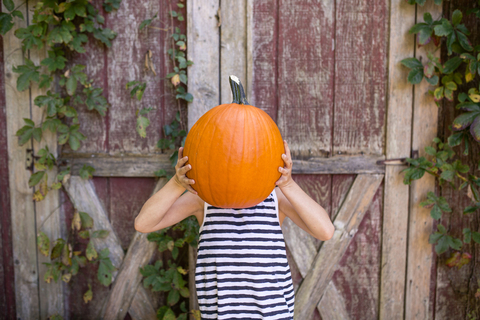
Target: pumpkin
[235, 151]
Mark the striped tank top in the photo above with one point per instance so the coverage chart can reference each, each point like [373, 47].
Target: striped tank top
[242, 270]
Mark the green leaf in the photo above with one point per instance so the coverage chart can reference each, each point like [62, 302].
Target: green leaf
[464, 41]
[147, 22]
[110, 5]
[95, 100]
[87, 221]
[475, 129]
[470, 210]
[412, 63]
[432, 80]
[6, 23]
[54, 62]
[456, 17]
[9, 5]
[442, 245]
[36, 178]
[415, 76]
[104, 35]
[476, 236]
[142, 124]
[173, 297]
[452, 65]
[71, 85]
[43, 243]
[86, 172]
[90, 252]
[455, 139]
[444, 29]
[28, 73]
[105, 268]
[436, 213]
[464, 120]
[99, 234]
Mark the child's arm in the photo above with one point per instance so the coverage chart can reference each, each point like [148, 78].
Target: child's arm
[167, 207]
[294, 203]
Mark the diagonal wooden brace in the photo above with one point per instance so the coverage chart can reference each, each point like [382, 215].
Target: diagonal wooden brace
[84, 198]
[346, 224]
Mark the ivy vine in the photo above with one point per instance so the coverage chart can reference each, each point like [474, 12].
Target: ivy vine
[454, 78]
[62, 28]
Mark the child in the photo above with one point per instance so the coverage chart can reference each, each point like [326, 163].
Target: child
[242, 269]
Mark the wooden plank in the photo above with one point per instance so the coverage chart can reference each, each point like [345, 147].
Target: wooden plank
[83, 197]
[233, 46]
[22, 209]
[306, 76]
[398, 145]
[192, 262]
[332, 305]
[127, 197]
[346, 224]
[249, 49]
[128, 165]
[47, 213]
[7, 275]
[118, 166]
[357, 274]
[360, 76]
[419, 251]
[126, 62]
[203, 49]
[263, 34]
[142, 307]
[129, 278]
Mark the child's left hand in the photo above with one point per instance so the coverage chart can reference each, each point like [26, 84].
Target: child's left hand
[286, 171]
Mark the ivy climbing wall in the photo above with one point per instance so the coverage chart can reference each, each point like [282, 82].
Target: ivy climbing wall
[115, 135]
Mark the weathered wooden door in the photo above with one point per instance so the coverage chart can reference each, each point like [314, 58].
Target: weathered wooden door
[328, 73]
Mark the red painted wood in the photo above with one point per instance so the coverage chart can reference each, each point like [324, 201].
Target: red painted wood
[127, 196]
[357, 276]
[305, 76]
[7, 285]
[265, 42]
[360, 76]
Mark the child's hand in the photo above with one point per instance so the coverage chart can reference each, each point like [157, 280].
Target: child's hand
[181, 169]
[286, 171]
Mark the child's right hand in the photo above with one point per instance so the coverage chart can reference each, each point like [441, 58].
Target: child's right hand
[181, 169]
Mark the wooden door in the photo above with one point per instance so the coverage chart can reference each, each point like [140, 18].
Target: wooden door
[321, 70]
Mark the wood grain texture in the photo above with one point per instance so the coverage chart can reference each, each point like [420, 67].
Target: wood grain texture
[305, 76]
[139, 253]
[142, 307]
[357, 275]
[7, 274]
[333, 306]
[203, 48]
[360, 76]
[83, 197]
[119, 165]
[126, 62]
[399, 116]
[192, 262]
[346, 224]
[419, 257]
[233, 46]
[23, 215]
[264, 38]
[47, 213]
[129, 165]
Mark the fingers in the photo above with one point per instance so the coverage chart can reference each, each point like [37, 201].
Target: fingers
[284, 171]
[183, 170]
[287, 157]
[180, 152]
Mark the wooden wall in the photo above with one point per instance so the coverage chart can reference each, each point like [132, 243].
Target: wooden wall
[454, 290]
[7, 285]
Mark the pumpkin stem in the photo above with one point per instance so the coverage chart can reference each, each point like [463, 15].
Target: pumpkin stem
[237, 91]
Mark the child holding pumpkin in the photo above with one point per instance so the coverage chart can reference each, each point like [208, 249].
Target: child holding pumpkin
[242, 269]
[242, 274]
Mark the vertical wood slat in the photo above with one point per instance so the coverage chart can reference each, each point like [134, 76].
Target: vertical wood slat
[203, 50]
[233, 45]
[420, 253]
[399, 118]
[47, 211]
[7, 275]
[22, 208]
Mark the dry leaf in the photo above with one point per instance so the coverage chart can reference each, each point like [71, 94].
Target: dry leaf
[76, 221]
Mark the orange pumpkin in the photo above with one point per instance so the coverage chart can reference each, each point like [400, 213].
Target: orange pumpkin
[235, 150]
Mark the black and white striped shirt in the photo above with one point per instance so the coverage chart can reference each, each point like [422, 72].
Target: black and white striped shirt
[242, 270]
